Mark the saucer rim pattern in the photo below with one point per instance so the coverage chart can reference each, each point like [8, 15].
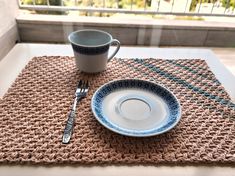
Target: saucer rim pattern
[159, 90]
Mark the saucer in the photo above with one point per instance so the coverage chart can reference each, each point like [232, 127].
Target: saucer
[135, 107]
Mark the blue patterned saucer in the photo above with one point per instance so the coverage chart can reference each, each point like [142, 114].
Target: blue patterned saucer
[135, 107]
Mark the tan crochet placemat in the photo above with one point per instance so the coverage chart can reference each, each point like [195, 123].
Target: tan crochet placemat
[34, 111]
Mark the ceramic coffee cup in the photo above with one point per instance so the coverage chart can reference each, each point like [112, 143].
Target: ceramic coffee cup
[91, 49]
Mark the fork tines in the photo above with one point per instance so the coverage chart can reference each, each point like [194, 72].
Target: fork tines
[82, 86]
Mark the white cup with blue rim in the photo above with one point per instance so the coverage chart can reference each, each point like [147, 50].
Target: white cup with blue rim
[91, 49]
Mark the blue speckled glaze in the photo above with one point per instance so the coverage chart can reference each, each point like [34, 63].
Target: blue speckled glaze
[90, 41]
[170, 100]
[90, 50]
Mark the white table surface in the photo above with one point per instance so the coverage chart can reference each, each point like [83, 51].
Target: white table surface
[18, 57]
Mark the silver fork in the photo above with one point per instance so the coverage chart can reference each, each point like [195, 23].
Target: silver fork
[80, 93]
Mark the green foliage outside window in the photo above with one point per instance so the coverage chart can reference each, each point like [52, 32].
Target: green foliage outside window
[195, 2]
[94, 3]
[44, 2]
[225, 3]
[228, 3]
[122, 4]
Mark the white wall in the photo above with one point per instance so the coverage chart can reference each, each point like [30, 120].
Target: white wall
[8, 28]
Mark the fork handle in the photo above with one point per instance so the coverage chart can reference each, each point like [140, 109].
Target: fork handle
[69, 128]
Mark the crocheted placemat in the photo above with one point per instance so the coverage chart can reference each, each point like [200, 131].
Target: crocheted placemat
[34, 111]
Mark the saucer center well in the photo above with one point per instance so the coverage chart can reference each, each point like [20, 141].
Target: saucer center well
[135, 109]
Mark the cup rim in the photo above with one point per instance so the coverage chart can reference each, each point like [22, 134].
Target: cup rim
[89, 46]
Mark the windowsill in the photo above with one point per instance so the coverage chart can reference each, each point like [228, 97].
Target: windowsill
[123, 22]
[147, 32]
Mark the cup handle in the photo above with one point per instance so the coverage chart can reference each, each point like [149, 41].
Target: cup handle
[116, 50]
